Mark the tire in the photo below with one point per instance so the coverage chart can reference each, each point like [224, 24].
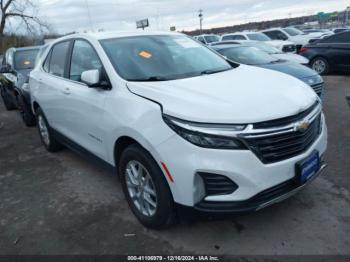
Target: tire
[160, 215]
[9, 105]
[46, 134]
[27, 116]
[320, 65]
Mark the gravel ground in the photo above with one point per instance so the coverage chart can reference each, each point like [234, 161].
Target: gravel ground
[62, 204]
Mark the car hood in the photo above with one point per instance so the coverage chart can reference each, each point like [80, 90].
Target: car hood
[292, 57]
[291, 68]
[243, 95]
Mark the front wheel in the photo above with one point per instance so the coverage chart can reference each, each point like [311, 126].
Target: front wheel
[46, 134]
[320, 65]
[145, 188]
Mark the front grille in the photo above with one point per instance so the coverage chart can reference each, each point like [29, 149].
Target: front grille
[289, 48]
[286, 120]
[217, 184]
[278, 147]
[318, 89]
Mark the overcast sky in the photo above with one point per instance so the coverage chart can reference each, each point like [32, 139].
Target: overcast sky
[67, 15]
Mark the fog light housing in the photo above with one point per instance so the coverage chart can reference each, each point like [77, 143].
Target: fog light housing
[198, 189]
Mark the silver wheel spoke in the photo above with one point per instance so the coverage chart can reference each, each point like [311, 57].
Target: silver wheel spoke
[141, 188]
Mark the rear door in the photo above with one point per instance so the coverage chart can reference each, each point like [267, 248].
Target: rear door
[53, 86]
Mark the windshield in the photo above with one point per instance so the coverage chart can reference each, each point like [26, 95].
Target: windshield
[163, 57]
[264, 47]
[25, 59]
[247, 55]
[211, 38]
[293, 31]
[258, 37]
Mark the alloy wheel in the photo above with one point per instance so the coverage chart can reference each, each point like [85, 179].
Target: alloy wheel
[319, 66]
[44, 132]
[141, 188]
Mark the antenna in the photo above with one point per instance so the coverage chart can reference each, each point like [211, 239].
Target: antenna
[89, 15]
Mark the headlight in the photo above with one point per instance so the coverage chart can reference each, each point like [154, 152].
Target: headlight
[207, 135]
[313, 80]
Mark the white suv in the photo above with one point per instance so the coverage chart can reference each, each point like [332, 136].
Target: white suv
[184, 128]
[291, 34]
[283, 46]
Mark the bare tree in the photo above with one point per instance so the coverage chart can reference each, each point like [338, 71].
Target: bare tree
[24, 10]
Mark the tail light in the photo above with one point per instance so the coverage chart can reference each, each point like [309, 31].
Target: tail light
[303, 50]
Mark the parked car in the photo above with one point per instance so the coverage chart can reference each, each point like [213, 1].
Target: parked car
[207, 39]
[329, 54]
[284, 46]
[271, 51]
[245, 54]
[185, 128]
[340, 30]
[16, 66]
[293, 35]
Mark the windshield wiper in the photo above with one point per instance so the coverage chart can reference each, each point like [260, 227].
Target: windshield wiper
[210, 72]
[150, 79]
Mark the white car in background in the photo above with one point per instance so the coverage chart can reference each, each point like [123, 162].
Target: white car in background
[183, 127]
[207, 39]
[267, 48]
[284, 46]
[293, 34]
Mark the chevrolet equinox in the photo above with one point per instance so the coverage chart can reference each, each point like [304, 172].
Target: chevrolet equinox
[185, 128]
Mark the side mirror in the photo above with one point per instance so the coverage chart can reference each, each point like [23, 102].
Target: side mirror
[91, 78]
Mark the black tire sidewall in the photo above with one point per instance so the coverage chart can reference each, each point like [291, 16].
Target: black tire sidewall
[164, 215]
[27, 116]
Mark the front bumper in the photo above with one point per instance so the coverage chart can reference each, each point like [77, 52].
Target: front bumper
[264, 199]
[243, 167]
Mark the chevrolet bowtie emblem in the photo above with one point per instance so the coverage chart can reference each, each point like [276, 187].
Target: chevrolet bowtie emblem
[302, 126]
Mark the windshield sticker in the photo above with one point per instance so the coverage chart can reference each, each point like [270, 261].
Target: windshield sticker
[145, 54]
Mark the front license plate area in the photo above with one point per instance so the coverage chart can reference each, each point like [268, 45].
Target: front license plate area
[308, 167]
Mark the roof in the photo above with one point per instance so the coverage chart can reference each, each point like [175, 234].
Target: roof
[25, 48]
[116, 34]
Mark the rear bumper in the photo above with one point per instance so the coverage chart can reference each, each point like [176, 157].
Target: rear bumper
[264, 199]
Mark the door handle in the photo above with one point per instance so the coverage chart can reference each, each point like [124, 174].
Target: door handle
[66, 91]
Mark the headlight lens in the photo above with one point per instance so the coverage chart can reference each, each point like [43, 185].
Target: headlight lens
[25, 87]
[207, 135]
[313, 80]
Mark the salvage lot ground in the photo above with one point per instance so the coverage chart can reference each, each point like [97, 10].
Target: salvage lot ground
[62, 204]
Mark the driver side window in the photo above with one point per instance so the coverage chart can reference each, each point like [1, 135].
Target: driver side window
[84, 58]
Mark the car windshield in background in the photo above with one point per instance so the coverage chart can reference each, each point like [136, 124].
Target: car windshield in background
[211, 38]
[264, 47]
[25, 59]
[258, 37]
[160, 58]
[247, 55]
[293, 31]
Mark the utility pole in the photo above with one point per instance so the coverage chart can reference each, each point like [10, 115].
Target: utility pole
[89, 15]
[200, 20]
[347, 15]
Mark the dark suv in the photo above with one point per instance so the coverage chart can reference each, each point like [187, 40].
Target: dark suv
[16, 65]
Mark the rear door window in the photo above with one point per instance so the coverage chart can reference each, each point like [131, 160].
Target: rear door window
[58, 59]
[340, 38]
